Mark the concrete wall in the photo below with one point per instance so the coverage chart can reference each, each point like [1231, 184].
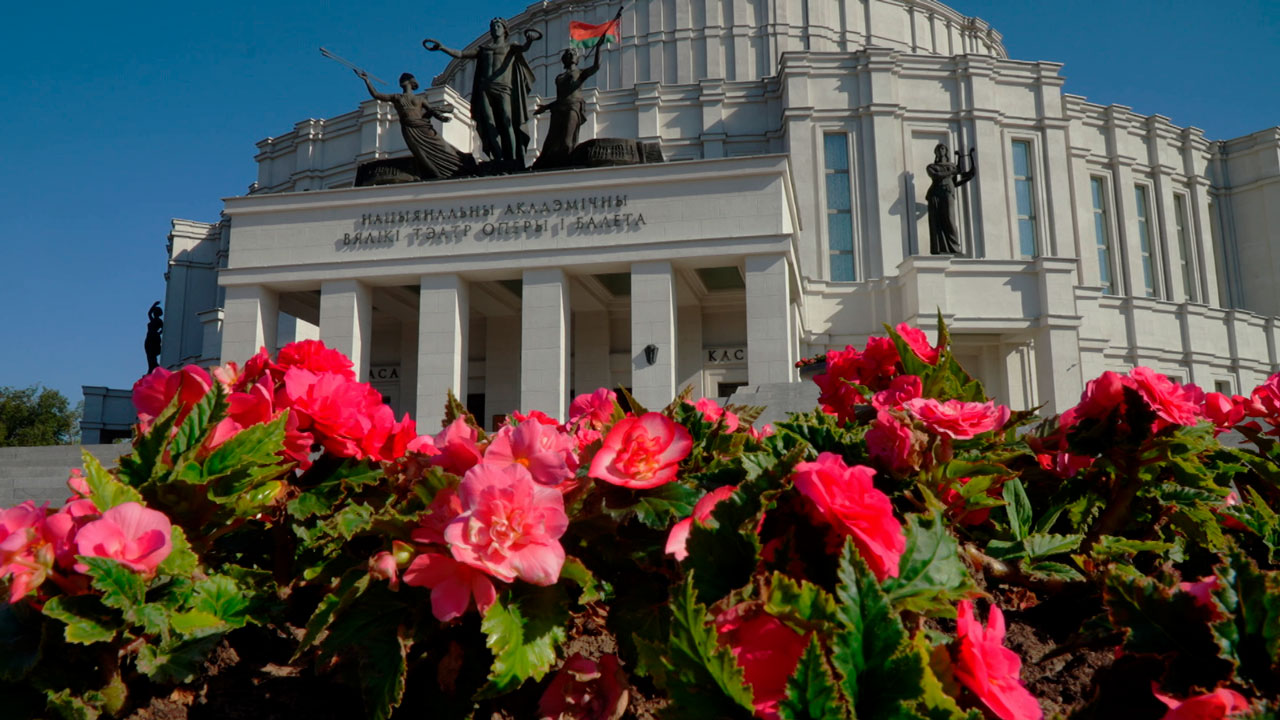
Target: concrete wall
[40, 473]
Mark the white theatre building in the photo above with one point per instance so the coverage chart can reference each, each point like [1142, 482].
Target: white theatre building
[788, 218]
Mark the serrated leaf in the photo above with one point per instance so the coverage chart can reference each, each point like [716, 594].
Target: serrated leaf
[1248, 631]
[1114, 548]
[352, 519]
[254, 445]
[661, 506]
[181, 560]
[350, 587]
[190, 434]
[87, 619]
[105, 491]
[1018, 508]
[593, 589]
[21, 640]
[1051, 571]
[699, 666]
[222, 598]
[931, 575]
[180, 662]
[801, 600]
[878, 672]
[1158, 621]
[196, 623]
[70, 707]
[523, 634]
[724, 555]
[121, 587]
[1039, 545]
[811, 690]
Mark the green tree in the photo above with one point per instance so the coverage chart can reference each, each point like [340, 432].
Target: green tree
[36, 416]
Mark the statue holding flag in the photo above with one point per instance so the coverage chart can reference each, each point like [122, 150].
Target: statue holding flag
[569, 109]
[499, 92]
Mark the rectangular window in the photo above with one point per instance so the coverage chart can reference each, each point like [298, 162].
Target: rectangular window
[1024, 191]
[1102, 232]
[1143, 210]
[839, 207]
[1189, 282]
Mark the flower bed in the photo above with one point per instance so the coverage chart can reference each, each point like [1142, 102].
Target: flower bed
[278, 544]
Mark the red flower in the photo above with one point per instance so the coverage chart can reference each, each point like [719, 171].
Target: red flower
[314, 356]
[846, 498]
[918, 342]
[458, 447]
[989, 669]
[1174, 403]
[894, 444]
[679, 535]
[712, 413]
[900, 390]
[452, 585]
[642, 452]
[585, 690]
[153, 392]
[956, 419]
[955, 505]
[594, 409]
[766, 649]
[1216, 705]
[546, 452]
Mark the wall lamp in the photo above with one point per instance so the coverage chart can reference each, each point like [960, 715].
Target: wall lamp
[651, 353]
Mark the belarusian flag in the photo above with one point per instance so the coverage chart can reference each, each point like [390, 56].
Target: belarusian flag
[583, 36]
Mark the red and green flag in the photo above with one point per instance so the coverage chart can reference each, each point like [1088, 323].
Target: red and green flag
[584, 36]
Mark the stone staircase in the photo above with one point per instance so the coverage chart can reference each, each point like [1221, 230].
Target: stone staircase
[778, 399]
[40, 473]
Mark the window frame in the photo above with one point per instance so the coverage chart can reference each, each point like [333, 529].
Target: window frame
[1182, 231]
[830, 253]
[1033, 170]
[1144, 218]
[1109, 245]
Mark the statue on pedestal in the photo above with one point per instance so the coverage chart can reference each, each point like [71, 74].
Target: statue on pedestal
[500, 92]
[155, 326]
[435, 157]
[568, 111]
[941, 197]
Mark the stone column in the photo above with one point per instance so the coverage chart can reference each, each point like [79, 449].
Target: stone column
[591, 351]
[689, 340]
[1057, 342]
[653, 322]
[771, 341]
[444, 317]
[544, 350]
[346, 321]
[250, 314]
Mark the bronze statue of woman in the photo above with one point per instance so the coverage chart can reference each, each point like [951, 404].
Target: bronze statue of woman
[941, 197]
[568, 110]
[155, 327]
[499, 91]
[436, 158]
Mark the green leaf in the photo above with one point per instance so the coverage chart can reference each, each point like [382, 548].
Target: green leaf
[106, 492]
[190, 434]
[350, 587]
[698, 666]
[352, 519]
[222, 598]
[593, 589]
[22, 632]
[801, 600]
[523, 634]
[196, 623]
[87, 619]
[180, 662]
[70, 707]
[931, 575]
[880, 672]
[121, 587]
[1051, 571]
[660, 507]
[1248, 632]
[1018, 508]
[1039, 545]
[254, 445]
[723, 556]
[181, 560]
[811, 690]
[1113, 548]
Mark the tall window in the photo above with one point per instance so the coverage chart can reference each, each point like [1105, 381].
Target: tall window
[1102, 232]
[1022, 188]
[1184, 247]
[839, 209]
[1143, 208]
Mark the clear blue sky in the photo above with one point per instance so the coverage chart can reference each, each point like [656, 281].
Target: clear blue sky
[117, 117]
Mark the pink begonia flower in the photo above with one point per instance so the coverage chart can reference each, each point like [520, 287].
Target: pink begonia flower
[1063, 464]
[452, 585]
[989, 669]
[510, 526]
[339, 411]
[900, 390]
[1174, 403]
[383, 566]
[458, 447]
[1223, 411]
[873, 367]
[1219, 704]
[25, 555]
[1229, 522]
[678, 538]
[535, 415]
[762, 433]
[585, 690]
[153, 392]
[444, 507]
[847, 499]
[1101, 396]
[546, 452]
[918, 342]
[314, 356]
[594, 409]
[1202, 590]
[766, 649]
[894, 444]
[642, 452]
[137, 537]
[77, 484]
[712, 413]
[956, 419]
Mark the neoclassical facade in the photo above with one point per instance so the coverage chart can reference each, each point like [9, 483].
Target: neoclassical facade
[788, 218]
